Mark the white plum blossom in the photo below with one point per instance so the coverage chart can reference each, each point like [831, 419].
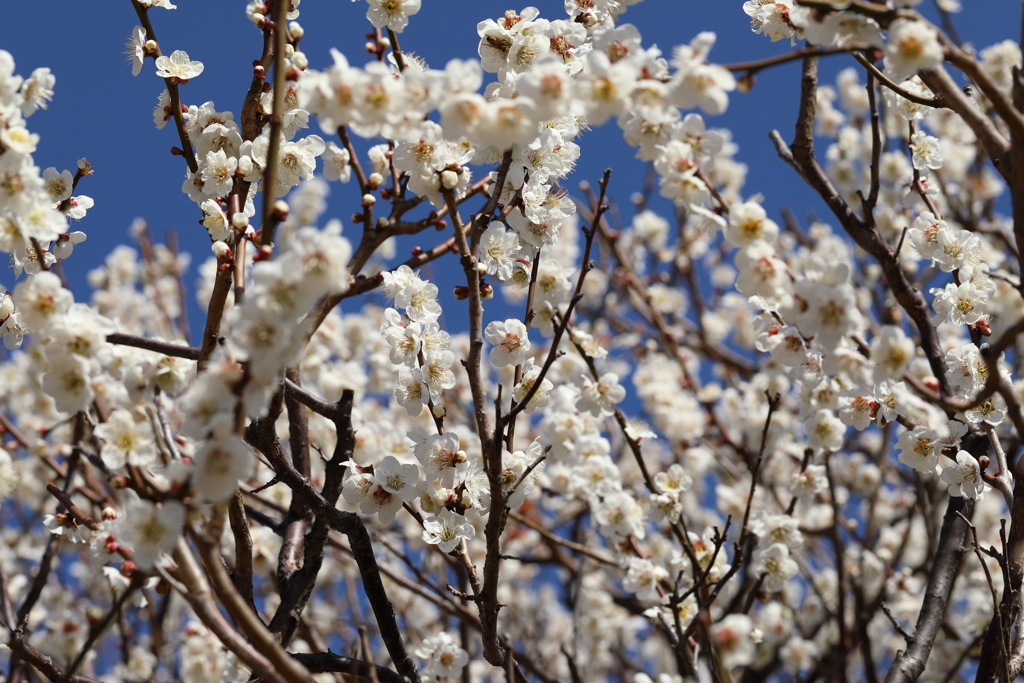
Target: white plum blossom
[600, 397]
[125, 441]
[392, 14]
[964, 478]
[511, 342]
[732, 638]
[447, 530]
[912, 46]
[919, 448]
[774, 565]
[178, 66]
[151, 530]
[927, 155]
[443, 656]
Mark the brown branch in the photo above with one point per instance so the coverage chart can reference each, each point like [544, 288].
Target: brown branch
[196, 590]
[909, 665]
[328, 662]
[996, 146]
[866, 237]
[172, 89]
[242, 574]
[359, 540]
[157, 345]
[269, 183]
[756, 65]
[893, 86]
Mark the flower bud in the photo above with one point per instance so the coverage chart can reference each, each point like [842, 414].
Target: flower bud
[150, 47]
[369, 199]
[93, 615]
[296, 30]
[239, 220]
[371, 47]
[461, 292]
[289, 50]
[486, 291]
[6, 307]
[221, 250]
[128, 568]
[375, 180]
[984, 462]
[118, 481]
[109, 514]
[449, 179]
[481, 268]
[746, 82]
[385, 43]
[460, 457]
[245, 166]
[357, 217]
[281, 210]
[300, 61]
[438, 411]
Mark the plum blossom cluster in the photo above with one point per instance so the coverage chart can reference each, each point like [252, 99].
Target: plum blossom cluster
[687, 439]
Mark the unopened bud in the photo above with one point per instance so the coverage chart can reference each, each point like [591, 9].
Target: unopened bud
[369, 199]
[481, 268]
[375, 180]
[6, 307]
[150, 47]
[438, 411]
[460, 457]
[745, 83]
[357, 217]
[109, 514]
[296, 30]
[984, 462]
[382, 223]
[461, 292]
[118, 481]
[245, 166]
[281, 210]
[385, 43]
[289, 50]
[983, 328]
[128, 568]
[300, 61]
[371, 48]
[449, 179]
[93, 614]
[486, 291]
[260, 20]
[221, 250]
[239, 220]
[589, 20]
[417, 250]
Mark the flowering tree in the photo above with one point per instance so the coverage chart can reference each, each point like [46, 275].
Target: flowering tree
[826, 486]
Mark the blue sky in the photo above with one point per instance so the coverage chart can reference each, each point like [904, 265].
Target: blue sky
[103, 113]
